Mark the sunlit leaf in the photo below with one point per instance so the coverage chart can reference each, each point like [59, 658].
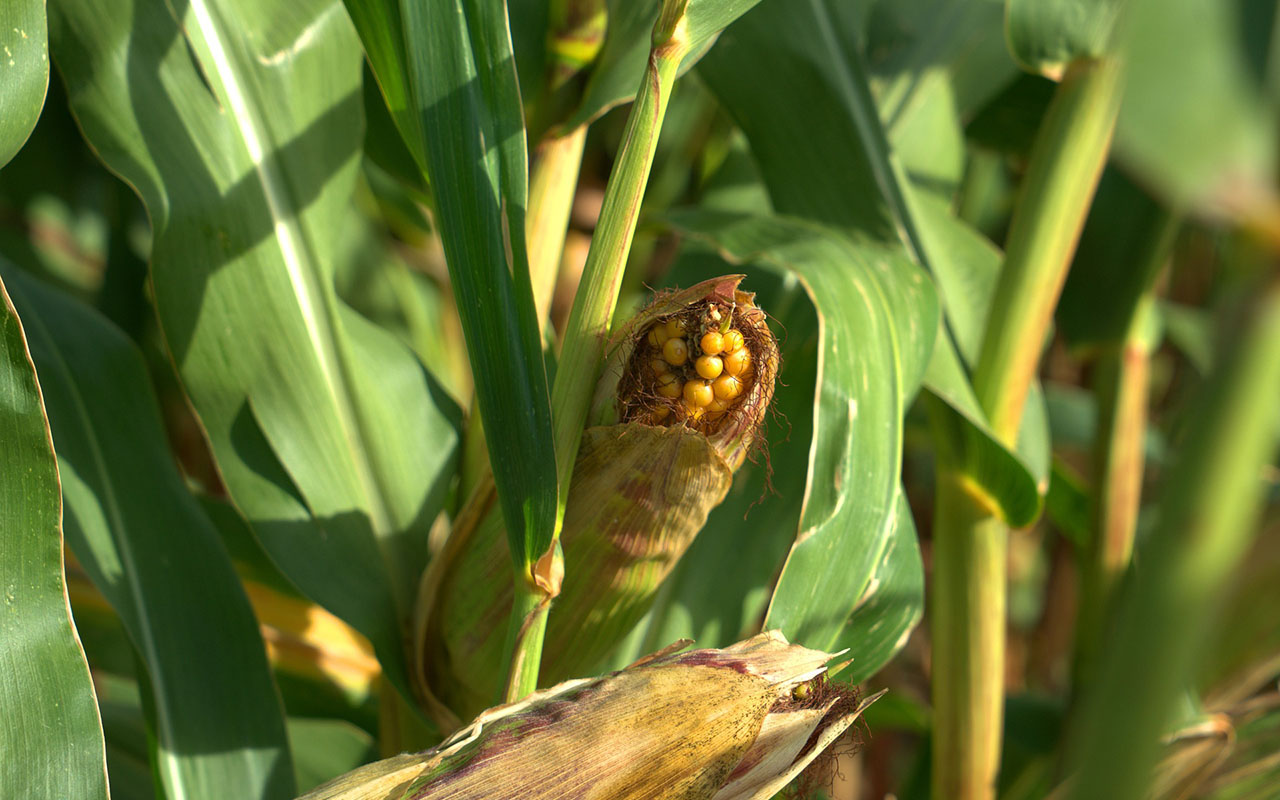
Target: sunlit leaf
[51, 737]
[240, 126]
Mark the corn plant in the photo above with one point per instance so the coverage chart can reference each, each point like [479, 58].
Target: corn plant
[639, 399]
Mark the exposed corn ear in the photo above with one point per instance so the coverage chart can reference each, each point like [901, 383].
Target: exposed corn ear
[648, 473]
[730, 724]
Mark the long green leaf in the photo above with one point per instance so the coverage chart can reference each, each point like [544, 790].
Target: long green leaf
[51, 737]
[877, 321]
[145, 542]
[446, 71]
[239, 124]
[24, 72]
[813, 86]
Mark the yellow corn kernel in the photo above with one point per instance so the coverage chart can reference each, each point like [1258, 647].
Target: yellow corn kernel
[659, 366]
[737, 362]
[675, 351]
[712, 343]
[727, 387]
[733, 340]
[669, 386]
[709, 367]
[674, 328]
[698, 393]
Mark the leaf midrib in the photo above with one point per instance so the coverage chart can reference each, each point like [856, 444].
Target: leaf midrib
[299, 259]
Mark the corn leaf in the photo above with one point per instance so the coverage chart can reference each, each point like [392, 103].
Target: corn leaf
[446, 72]
[218, 725]
[877, 322]
[239, 124]
[24, 71]
[790, 72]
[51, 737]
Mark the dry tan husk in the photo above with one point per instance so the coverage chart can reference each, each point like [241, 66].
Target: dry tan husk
[724, 724]
[640, 494]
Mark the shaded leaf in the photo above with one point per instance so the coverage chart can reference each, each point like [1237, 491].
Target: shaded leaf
[240, 126]
[1123, 247]
[51, 737]
[219, 726]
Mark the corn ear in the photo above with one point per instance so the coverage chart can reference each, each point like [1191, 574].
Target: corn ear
[730, 724]
[641, 492]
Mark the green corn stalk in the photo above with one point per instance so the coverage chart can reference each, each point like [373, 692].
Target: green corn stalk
[642, 493]
[737, 723]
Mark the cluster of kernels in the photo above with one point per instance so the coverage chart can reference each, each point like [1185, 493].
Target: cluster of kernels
[705, 379]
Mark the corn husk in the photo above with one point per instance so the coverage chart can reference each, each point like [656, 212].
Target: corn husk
[640, 494]
[727, 724]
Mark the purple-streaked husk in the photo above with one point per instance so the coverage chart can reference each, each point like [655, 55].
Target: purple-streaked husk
[730, 724]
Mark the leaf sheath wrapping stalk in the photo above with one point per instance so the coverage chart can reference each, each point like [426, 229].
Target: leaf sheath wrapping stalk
[730, 724]
[640, 495]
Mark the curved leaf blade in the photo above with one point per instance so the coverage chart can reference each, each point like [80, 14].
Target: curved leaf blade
[52, 736]
[891, 606]
[788, 73]
[447, 73]
[24, 72]
[148, 547]
[240, 126]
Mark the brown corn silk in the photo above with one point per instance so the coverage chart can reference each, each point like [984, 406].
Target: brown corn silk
[640, 494]
[722, 724]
